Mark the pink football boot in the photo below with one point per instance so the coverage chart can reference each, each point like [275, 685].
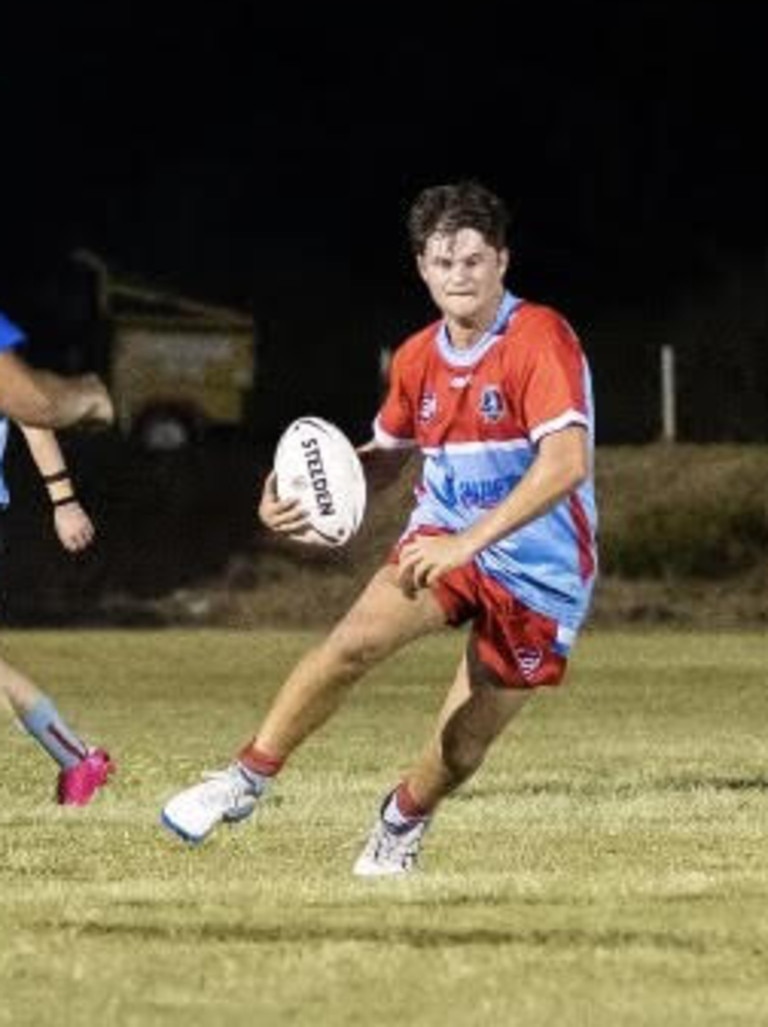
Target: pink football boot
[78, 785]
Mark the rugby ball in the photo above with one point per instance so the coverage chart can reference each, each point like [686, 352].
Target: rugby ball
[317, 464]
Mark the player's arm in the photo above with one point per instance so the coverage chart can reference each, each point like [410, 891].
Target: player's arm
[382, 466]
[46, 400]
[561, 465]
[392, 444]
[72, 524]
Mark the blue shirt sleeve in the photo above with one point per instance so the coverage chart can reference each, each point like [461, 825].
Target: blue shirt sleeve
[10, 334]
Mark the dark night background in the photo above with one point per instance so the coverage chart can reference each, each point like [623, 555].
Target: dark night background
[267, 161]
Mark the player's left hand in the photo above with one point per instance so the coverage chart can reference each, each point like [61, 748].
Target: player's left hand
[74, 527]
[427, 557]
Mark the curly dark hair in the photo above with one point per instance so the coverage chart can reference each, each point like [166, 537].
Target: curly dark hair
[449, 208]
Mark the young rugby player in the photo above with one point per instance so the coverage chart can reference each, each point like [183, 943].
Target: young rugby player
[496, 397]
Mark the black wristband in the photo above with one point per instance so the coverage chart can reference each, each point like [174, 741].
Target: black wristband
[50, 479]
[64, 501]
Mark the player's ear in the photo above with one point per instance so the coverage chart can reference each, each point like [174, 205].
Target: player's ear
[504, 261]
[421, 264]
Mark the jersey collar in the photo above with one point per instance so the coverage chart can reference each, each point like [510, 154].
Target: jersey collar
[469, 357]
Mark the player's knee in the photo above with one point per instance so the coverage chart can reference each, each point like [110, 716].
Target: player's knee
[355, 651]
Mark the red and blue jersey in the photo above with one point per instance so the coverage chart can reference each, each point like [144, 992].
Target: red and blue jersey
[477, 415]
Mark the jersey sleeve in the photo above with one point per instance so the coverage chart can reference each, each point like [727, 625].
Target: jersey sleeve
[554, 379]
[10, 335]
[394, 427]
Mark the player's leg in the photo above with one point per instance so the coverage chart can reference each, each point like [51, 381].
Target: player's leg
[382, 620]
[512, 651]
[476, 710]
[82, 769]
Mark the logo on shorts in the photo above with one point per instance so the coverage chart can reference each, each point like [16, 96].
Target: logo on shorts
[427, 407]
[529, 659]
[492, 405]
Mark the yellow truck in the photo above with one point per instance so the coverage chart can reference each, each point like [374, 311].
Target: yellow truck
[176, 367]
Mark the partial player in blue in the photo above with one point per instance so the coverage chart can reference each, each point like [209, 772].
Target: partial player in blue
[45, 401]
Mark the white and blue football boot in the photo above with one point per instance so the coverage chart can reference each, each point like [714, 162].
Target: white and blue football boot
[224, 796]
[391, 849]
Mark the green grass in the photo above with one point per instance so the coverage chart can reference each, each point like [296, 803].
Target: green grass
[608, 866]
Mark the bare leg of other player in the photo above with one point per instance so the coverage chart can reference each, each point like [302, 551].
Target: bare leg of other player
[20, 693]
[83, 770]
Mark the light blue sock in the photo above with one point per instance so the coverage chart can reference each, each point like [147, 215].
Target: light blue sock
[45, 724]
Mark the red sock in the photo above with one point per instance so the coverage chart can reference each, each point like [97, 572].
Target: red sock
[258, 761]
[407, 806]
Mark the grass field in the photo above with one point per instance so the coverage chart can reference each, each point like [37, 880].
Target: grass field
[608, 866]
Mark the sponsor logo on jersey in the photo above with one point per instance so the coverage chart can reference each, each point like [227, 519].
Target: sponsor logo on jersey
[485, 492]
[427, 407]
[460, 381]
[492, 405]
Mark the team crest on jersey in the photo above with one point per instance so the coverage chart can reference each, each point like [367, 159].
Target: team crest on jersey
[529, 659]
[427, 407]
[492, 405]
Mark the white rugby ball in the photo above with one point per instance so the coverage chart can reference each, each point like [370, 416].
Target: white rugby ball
[317, 464]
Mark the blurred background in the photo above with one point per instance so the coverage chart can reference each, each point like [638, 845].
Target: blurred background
[208, 208]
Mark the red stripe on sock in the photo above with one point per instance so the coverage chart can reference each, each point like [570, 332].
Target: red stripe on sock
[80, 752]
[259, 761]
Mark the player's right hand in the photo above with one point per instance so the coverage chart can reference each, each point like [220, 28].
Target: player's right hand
[284, 516]
[74, 527]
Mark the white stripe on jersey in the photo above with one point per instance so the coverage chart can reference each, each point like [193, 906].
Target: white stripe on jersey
[387, 441]
[487, 446]
[558, 423]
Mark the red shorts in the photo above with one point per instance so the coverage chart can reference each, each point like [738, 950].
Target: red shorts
[516, 643]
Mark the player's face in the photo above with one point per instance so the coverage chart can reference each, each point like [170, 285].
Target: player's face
[464, 275]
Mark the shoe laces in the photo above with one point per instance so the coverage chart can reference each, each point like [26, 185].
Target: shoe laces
[237, 788]
[398, 842]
